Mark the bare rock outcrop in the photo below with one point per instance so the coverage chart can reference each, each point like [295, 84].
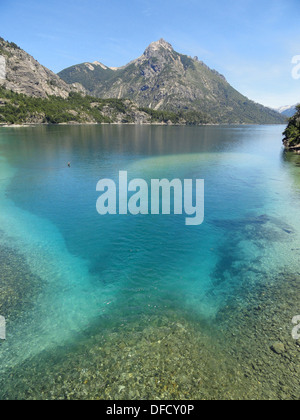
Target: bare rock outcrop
[21, 73]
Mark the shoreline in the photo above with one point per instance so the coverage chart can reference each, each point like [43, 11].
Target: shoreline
[293, 149]
[27, 125]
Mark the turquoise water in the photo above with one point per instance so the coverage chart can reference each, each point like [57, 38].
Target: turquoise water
[98, 272]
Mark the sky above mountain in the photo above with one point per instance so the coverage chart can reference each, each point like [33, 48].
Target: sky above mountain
[252, 43]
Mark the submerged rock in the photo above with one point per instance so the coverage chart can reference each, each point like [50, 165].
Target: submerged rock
[278, 348]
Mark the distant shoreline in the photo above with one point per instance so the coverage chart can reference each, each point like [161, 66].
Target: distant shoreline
[75, 124]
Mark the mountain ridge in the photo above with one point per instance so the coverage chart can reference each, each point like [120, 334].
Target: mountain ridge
[163, 79]
[288, 110]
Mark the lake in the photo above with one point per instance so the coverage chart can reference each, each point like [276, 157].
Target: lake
[131, 307]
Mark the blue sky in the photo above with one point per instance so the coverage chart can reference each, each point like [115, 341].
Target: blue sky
[251, 42]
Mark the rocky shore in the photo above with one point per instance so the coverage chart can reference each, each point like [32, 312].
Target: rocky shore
[291, 139]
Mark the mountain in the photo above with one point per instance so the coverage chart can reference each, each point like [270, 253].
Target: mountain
[162, 79]
[32, 94]
[87, 74]
[21, 73]
[287, 111]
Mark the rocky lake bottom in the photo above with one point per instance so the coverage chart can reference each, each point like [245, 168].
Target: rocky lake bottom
[171, 356]
[142, 310]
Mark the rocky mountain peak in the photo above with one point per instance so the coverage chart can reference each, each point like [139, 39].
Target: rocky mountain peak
[158, 47]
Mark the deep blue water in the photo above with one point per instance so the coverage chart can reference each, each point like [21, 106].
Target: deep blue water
[105, 270]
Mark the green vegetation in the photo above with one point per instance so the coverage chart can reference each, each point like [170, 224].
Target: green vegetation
[292, 132]
[9, 45]
[18, 108]
[21, 109]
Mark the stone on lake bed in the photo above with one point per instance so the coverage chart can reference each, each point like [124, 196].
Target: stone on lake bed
[278, 348]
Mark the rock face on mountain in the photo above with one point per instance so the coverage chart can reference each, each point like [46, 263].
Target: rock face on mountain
[291, 139]
[163, 79]
[21, 73]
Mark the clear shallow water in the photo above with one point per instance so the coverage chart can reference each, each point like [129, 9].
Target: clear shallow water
[96, 273]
